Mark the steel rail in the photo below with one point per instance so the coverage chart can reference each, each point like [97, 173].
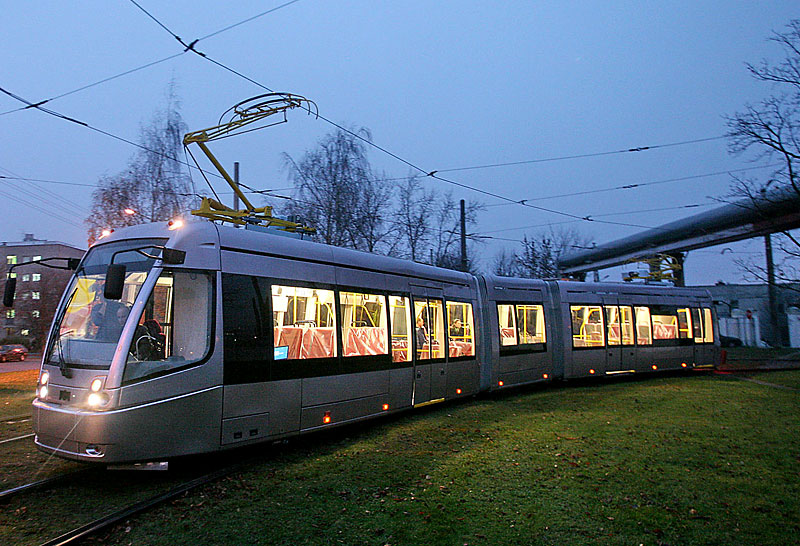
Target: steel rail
[8, 493]
[31, 435]
[76, 535]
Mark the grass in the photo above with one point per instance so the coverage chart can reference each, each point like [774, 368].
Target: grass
[788, 378]
[17, 390]
[680, 460]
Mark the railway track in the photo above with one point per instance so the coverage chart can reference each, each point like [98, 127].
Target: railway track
[105, 522]
[14, 491]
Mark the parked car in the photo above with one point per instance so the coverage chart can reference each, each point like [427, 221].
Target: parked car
[728, 341]
[13, 352]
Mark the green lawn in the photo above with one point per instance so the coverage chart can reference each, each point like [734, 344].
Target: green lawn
[17, 390]
[689, 460]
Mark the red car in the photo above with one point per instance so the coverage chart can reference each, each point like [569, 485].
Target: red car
[13, 352]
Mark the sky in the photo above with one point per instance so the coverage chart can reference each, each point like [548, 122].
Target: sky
[444, 85]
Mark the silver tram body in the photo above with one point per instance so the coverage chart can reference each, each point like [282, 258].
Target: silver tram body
[256, 337]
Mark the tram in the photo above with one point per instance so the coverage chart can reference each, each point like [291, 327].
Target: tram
[174, 339]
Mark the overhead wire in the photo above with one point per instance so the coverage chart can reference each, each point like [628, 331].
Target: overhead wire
[625, 213]
[431, 174]
[58, 200]
[582, 156]
[149, 64]
[644, 184]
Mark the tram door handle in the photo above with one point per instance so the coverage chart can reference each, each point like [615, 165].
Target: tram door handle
[441, 371]
[419, 375]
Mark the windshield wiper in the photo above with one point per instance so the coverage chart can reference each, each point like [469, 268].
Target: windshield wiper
[62, 363]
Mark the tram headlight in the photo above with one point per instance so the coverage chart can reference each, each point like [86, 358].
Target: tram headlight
[96, 399]
[97, 384]
[43, 379]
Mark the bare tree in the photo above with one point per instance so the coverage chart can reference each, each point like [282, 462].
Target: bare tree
[413, 217]
[771, 129]
[336, 192]
[539, 254]
[155, 184]
[372, 228]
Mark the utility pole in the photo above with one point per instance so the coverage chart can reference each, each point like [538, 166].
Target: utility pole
[463, 237]
[236, 183]
[777, 336]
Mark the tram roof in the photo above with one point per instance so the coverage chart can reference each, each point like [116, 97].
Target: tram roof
[202, 232]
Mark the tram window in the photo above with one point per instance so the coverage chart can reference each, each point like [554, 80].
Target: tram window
[643, 328]
[612, 325]
[461, 329]
[303, 322]
[708, 326]
[530, 323]
[246, 323]
[684, 323]
[175, 329]
[587, 326]
[697, 325]
[429, 321]
[626, 324]
[665, 323]
[508, 328]
[401, 331]
[364, 328]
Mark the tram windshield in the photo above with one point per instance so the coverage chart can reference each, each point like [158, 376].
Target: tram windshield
[88, 325]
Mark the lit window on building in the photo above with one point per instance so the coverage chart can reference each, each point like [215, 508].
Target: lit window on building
[26, 259]
[26, 278]
[11, 260]
[35, 295]
[37, 258]
[36, 277]
[10, 313]
[25, 332]
[36, 313]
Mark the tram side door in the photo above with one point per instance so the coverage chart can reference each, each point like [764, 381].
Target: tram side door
[430, 360]
[613, 334]
[422, 361]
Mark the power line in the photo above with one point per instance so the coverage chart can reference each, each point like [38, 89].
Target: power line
[581, 156]
[104, 80]
[696, 205]
[643, 184]
[147, 65]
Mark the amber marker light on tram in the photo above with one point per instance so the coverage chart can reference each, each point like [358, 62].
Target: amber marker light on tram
[458, 391]
[654, 367]
[500, 383]
[386, 407]
[545, 376]
[326, 418]
[591, 371]
[683, 364]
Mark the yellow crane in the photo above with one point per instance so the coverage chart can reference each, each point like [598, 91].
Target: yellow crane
[245, 117]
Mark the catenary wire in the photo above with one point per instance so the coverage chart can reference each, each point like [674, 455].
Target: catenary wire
[60, 200]
[582, 156]
[643, 184]
[148, 65]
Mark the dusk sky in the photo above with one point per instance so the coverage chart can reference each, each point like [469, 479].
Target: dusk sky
[444, 85]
